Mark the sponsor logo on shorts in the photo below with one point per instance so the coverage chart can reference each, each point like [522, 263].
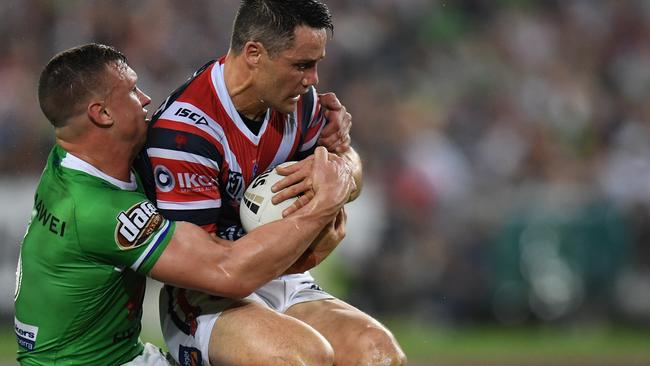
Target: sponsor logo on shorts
[25, 335]
[189, 356]
[136, 225]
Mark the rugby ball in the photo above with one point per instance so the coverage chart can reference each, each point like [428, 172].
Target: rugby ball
[256, 208]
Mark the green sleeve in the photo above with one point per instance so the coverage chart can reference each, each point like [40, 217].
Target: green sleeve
[125, 231]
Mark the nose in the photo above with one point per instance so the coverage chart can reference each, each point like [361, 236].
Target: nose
[144, 98]
[310, 77]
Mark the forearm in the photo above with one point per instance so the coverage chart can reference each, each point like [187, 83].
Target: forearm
[268, 251]
[195, 260]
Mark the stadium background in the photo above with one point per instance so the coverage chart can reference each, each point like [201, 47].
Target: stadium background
[505, 218]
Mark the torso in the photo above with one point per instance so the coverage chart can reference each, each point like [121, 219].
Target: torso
[203, 155]
[81, 279]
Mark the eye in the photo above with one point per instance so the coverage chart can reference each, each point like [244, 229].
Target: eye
[305, 65]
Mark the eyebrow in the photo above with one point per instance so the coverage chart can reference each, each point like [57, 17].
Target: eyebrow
[308, 60]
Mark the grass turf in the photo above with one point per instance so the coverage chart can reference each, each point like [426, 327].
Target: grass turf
[491, 345]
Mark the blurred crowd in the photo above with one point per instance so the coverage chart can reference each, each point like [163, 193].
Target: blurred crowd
[506, 143]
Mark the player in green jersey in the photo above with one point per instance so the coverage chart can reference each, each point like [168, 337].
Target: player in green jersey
[94, 236]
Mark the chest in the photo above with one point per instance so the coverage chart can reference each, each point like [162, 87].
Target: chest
[246, 155]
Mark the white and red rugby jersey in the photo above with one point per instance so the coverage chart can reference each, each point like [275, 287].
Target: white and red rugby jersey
[202, 154]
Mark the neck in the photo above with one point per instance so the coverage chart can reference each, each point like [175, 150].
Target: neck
[111, 158]
[239, 81]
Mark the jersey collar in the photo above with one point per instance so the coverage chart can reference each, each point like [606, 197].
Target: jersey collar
[72, 162]
[222, 92]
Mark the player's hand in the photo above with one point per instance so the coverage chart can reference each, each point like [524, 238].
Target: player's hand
[305, 177]
[297, 182]
[335, 136]
[324, 244]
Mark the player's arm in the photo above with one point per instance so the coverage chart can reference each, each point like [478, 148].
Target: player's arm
[194, 259]
[326, 241]
[335, 136]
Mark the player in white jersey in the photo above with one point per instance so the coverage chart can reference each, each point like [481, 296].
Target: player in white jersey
[250, 110]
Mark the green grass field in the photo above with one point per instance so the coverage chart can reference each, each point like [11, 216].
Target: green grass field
[490, 346]
[474, 346]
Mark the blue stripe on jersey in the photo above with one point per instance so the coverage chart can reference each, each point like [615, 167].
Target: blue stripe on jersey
[183, 141]
[158, 239]
[198, 217]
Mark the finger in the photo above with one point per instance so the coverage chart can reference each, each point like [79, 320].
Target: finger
[320, 155]
[343, 146]
[300, 202]
[338, 123]
[292, 168]
[292, 191]
[330, 143]
[330, 129]
[286, 187]
[294, 174]
[329, 101]
[287, 182]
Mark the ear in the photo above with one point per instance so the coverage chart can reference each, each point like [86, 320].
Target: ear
[98, 114]
[253, 52]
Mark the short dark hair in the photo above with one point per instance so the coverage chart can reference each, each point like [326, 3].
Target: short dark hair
[272, 22]
[72, 76]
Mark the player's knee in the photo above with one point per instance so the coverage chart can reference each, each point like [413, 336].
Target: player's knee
[320, 352]
[312, 351]
[377, 346]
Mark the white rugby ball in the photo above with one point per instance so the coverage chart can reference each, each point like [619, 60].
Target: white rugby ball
[256, 208]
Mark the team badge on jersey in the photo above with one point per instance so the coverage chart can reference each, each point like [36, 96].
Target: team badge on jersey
[135, 225]
[235, 186]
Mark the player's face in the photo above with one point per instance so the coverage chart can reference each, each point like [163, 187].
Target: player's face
[126, 104]
[290, 73]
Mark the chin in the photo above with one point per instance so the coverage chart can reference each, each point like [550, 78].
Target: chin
[287, 108]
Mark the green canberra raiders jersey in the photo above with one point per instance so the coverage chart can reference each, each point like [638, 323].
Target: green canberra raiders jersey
[81, 273]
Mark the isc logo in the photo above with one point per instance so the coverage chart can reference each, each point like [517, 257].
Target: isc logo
[195, 117]
[136, 224]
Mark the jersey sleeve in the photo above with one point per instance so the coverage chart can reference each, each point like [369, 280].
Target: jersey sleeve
[185, 160]
[312, 120]
[138, 233]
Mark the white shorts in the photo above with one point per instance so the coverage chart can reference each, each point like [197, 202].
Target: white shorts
[187, 317]
[151, 356]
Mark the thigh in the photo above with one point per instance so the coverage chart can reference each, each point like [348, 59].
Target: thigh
[356, 337]
[248, 333]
